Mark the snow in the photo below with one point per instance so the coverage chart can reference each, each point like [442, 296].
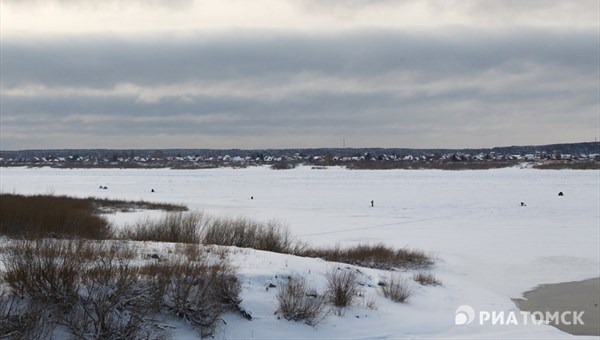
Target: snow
[488, 248]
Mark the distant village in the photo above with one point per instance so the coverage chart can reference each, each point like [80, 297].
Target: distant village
[286, 158]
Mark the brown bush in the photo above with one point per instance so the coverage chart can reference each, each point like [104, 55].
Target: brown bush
[105, 296]
[45, 270]
[59, 286]
[342, 287]
[296, 303]
[21, 319]
[196, 291]
[112, 302]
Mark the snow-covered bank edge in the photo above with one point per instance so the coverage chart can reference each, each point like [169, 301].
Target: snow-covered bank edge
[429, 313]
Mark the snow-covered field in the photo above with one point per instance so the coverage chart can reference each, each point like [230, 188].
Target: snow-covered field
[489, 249]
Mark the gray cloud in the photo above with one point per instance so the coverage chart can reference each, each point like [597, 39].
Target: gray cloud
[105, 61]
[275, 89]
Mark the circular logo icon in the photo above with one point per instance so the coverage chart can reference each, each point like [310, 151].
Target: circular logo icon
[464, 315]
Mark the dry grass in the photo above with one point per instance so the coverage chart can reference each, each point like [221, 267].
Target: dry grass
[192, 252]
[194, 228]
[110, 205]
[172, 227]
[426, 279]
[296, 303]
[50, 216]
[62, 216]
[397, 289]
[342, 287]
[247, 233]
[377, 256]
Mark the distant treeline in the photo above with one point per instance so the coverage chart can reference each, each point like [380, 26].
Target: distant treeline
[555, 156]
[568, 148]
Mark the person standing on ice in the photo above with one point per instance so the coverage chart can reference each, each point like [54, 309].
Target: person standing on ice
[372, 203]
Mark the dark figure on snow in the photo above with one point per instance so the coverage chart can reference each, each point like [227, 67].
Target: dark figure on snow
[251, 197]
[152, 190]
[372, 204]
[560, 194]
[523, 204]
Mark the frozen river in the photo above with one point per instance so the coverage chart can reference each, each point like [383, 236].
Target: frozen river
[471, 220]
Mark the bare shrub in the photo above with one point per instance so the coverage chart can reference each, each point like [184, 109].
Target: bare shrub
[61, 282]
[342, 288]
[21, 319]
[295, 303]
[397, 289]
[172, 227]
[45, 270]
[377, 256]
[105, 296]
[111, 304]
[196, 291]
[426, 279]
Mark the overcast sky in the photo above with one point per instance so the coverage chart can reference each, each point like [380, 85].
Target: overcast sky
[298, 73]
